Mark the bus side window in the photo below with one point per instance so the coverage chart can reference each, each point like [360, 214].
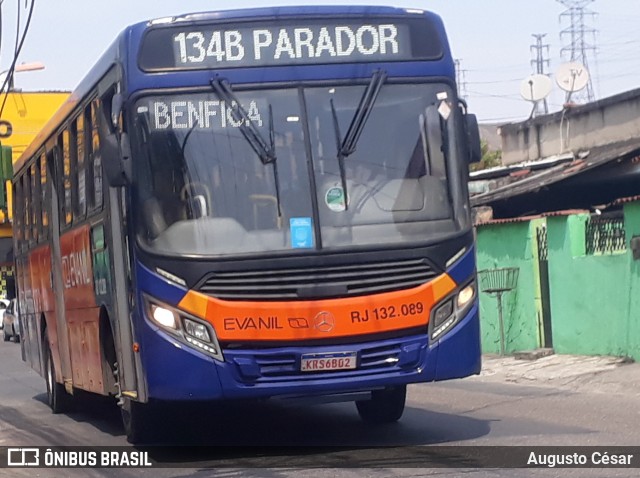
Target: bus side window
[35, 202]
[18, 204]
[88, 158]
[95, 163]
[66, 216]
[26, 185]
[80, 175]
[44, 196]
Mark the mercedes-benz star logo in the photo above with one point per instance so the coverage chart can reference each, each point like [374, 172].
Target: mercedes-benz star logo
[324, 322]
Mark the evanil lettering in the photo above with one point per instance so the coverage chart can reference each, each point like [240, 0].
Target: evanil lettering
[75, 269]
[265, 45]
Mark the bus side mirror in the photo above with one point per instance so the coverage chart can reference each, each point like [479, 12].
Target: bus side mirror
[116, 109]
[114, 148]
[473, 134]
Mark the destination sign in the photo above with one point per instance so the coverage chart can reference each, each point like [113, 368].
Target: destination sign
[198, 111]
[289, 43]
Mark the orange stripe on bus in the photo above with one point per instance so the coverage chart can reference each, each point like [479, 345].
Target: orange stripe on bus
[195, 303]
[320, 319]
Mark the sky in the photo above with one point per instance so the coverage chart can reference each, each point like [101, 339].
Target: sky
[491, 38]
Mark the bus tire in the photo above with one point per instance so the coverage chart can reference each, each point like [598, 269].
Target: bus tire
[138, 421]
[59, 400]
[385, 406]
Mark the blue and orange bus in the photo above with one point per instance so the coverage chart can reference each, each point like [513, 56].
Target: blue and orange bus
[252, 204]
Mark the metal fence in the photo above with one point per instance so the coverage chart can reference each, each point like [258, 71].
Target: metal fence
[605, 234]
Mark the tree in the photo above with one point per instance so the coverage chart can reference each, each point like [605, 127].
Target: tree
[490, 159]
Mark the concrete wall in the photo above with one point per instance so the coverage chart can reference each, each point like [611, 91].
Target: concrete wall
[509, 245]
[589, 293]
[611, 120]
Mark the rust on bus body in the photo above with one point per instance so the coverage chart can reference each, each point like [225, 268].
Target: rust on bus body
[81, 310]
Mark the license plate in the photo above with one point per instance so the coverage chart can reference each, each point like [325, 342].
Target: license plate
[328, 361]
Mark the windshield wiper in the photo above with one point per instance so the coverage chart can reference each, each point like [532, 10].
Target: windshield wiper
[347, 145]
[265, 151]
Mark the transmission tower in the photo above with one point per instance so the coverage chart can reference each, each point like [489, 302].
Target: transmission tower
[579, 33]
[539, 61]
[461, 79]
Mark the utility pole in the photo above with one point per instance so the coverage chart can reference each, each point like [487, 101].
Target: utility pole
[461, 79]
[540, 61]
[579, 33]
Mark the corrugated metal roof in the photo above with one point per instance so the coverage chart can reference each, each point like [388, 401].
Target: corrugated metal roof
[558, 172]
[566, 212]
[625, 200]
[501, 171]
[508, 220]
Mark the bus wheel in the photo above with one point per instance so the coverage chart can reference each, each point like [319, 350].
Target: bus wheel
[59, 400]
[385, 406]
[138, 421]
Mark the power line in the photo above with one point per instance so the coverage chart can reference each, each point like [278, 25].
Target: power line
[494, 82]
[501, 97]
[502, 118]
[19, 44]
[1, 2]
[461, 79]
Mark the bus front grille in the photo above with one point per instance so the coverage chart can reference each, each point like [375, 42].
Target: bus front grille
[274, 367]
[318, 283]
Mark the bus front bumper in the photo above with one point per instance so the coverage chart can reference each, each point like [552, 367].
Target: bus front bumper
[176, 372]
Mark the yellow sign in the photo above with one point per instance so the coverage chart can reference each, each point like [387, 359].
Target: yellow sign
[24, 115]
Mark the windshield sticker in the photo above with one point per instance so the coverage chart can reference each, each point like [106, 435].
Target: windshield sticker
[442, 95]
[445, 110]
[334, 199]
[301, 232]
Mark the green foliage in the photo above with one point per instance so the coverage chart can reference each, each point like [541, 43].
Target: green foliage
[490, 159]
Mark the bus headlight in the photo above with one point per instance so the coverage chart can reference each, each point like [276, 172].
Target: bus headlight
[442, 313]
[164, 317]
[445, 315]
[190, 330]
[466, 295]
[197, 330]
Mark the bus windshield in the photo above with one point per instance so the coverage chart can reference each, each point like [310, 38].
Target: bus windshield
[202, 189]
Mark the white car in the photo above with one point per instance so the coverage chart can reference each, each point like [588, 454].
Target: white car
[4, 303]
[11, 329]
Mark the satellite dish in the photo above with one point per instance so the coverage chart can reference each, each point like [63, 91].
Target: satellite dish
[535, 87]
[572, 76]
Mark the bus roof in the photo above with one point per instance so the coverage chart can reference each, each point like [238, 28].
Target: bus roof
[274, 12]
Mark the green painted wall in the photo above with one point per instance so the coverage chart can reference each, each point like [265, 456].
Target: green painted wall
[589, 294]
[510, 245]
[595, 299]
[632, 226]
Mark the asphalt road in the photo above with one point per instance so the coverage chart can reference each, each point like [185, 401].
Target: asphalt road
[276, 439]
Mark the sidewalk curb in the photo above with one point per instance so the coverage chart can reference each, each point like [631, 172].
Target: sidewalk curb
[615, 374]
[533, 354]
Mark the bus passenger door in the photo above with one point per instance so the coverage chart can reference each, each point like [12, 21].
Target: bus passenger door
[131, 378]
